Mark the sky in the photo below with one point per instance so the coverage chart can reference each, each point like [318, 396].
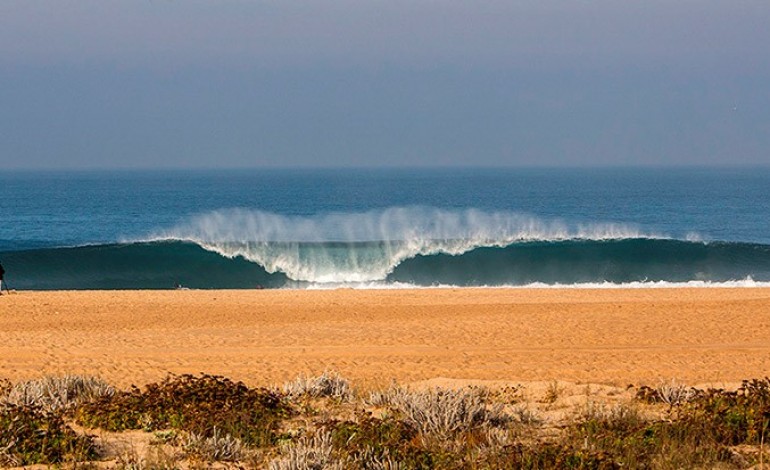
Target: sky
[362, 83]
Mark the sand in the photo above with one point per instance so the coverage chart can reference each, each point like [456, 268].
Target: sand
[603, 336]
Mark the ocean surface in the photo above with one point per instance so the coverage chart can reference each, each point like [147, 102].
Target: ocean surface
[385, 228]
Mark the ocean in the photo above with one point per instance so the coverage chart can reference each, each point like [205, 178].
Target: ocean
[394, 228]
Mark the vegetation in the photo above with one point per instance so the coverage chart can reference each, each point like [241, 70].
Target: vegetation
[329, 384]
[57, 393]
[30, 435]
[204, 406]
[317, 423]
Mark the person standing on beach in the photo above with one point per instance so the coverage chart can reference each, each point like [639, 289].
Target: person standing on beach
[2, 273]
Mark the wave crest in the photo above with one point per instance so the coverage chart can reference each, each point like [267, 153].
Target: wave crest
[368, 246]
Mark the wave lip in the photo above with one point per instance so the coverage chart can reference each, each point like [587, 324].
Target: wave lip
[396, 247]
[566, 263]
[369, 246]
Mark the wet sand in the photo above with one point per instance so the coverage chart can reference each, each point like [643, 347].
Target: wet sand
[608, 336]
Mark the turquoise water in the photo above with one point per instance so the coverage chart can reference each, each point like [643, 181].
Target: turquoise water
[308, 228]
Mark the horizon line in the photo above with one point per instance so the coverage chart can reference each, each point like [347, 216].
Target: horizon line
[98, 169]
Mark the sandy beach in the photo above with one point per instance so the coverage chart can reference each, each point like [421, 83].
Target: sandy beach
[607, 336]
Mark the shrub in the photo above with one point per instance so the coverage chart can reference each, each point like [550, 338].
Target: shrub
[370, 442]
[731, 418]
[30, 435]
[617, 432]
[622, 436]
[195, 404]
[618, 419]
[553, 392]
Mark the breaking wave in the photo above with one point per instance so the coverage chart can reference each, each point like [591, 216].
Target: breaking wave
[395, 247]
[361, 247]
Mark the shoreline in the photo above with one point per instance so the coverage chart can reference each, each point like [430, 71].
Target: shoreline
[615, 336]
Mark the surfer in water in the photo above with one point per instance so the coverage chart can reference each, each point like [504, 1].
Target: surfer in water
[2, 273]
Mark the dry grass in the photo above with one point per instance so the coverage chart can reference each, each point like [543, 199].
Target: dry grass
[674, 393]
[307, 453]
[443, 411]
[327, 385]
[553, 392]
[56, 393]
[218, 447]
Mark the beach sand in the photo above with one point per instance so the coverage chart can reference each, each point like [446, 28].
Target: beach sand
[604, 336]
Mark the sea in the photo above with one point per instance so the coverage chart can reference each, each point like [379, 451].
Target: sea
[385, 228]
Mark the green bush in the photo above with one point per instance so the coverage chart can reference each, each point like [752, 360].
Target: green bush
[198, 405]
[549, 456]
[29, 435]
[369, 439]
[731, 418]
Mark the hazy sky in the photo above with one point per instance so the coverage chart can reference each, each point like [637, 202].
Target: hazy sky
[236, 83]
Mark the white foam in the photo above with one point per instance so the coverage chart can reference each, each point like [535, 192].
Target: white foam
[748, 282]
[298, 246]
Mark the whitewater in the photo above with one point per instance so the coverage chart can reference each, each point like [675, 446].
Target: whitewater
[342, 248]
[385, 228]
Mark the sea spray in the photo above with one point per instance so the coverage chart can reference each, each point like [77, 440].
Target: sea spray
[368, 246]
[396, 247]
